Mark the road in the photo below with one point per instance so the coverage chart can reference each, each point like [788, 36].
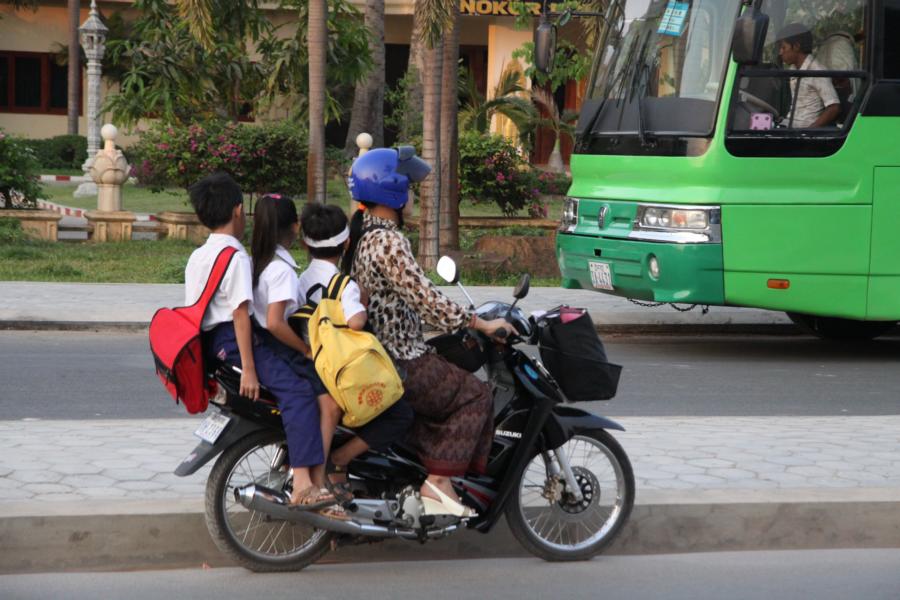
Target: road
[79, 375]
[822, 574]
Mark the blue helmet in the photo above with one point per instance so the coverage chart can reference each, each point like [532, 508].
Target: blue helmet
[382, 175]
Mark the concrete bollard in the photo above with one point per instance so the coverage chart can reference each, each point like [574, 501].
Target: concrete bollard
[110, 171]
[364, 142]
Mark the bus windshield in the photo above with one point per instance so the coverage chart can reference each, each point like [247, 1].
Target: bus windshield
[660, 67]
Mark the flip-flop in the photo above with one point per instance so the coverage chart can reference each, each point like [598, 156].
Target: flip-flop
[313, 498]
[340, 489]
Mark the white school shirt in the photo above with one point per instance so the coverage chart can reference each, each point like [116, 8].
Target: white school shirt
[814, 95]
[237, 284]
[321, 271]
[277, 283]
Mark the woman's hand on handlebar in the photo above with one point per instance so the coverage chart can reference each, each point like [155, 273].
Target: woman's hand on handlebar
[498, 329]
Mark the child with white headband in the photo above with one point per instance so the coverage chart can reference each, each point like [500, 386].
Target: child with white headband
[326, 236]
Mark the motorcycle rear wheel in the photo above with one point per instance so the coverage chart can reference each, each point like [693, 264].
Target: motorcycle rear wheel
[252, 539]
[547, 520]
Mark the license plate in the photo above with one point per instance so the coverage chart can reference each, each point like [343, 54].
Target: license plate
[601, 276]
[212, 427]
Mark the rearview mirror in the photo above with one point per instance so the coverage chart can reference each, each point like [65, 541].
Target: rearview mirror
[522, 287]
[749, 37]
[446, 268]
[544, 45]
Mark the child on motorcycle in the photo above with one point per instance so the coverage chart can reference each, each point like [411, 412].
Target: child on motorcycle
[228, 329]
[326, 236]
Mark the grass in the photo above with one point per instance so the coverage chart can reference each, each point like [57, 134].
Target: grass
[25, 259]
[142, 200]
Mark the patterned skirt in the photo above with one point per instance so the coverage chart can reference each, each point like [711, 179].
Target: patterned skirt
[453, 426]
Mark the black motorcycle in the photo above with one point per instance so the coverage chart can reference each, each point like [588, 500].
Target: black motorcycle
[562, 481]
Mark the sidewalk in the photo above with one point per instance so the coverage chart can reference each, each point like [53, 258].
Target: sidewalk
[101, 494]
[85, 305]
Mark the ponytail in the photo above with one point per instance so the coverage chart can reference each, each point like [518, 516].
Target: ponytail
[356, 233]
[272, 219]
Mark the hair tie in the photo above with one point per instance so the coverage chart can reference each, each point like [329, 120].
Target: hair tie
[361, 207]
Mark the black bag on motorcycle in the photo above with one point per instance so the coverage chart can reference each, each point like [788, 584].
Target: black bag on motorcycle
[573, 353]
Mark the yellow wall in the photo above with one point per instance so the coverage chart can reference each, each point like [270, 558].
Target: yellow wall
[503, 40]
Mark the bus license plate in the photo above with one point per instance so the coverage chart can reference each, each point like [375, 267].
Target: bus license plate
[601, 276]
[212, 427]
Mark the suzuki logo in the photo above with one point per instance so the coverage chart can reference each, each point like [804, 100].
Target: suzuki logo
[601, 218]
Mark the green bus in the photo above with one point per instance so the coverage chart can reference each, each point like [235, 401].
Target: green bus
[710, 167]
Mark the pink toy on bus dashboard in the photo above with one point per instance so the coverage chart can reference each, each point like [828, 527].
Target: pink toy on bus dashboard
[761, 121]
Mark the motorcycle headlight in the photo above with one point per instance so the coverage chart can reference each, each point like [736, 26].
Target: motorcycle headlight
[569, 216]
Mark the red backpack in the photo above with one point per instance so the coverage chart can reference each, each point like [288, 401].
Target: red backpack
[176, 347]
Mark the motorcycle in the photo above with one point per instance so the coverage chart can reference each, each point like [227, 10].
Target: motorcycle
[563, 483]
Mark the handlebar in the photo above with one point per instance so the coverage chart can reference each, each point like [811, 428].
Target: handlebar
[500, 333]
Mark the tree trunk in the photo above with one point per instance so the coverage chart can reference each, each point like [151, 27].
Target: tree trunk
[317, 40]
[368, 98]
[449, 222]
[74, 77]
[414, 91]
[429, 213]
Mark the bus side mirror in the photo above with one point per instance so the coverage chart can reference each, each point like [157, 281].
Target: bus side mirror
[749, 37]
[544, 45]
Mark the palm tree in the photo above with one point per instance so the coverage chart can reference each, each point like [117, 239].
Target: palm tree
[509, 100]
[433, 16]
[74, 75]
[561, 124]
[368, 98]
[449, 221]
[318, 47]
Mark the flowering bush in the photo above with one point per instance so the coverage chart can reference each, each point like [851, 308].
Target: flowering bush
[19, 187]
[262, 158]
[553, 184]
[491, 169]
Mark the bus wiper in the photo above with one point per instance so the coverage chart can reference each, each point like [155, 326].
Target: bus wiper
[643, 134]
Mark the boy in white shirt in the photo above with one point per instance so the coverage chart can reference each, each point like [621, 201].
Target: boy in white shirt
[326, 236]
[228, 334]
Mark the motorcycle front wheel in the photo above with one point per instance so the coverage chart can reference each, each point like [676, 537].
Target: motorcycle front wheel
[551, 522]
[253, 539]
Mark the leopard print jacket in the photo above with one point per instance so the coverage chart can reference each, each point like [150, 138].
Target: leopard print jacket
[400, 294]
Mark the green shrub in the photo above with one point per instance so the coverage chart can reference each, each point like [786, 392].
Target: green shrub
[60, 152]
[262, 158]
[553, 184]
[18, 173]
[491, 169]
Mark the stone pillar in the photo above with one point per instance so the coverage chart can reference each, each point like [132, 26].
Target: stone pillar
[109, 172]
[93, 40]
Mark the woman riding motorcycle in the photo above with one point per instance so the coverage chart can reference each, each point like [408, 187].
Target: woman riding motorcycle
[452, 430]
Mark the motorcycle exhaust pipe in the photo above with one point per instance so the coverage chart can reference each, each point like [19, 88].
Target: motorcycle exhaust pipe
[276, 504]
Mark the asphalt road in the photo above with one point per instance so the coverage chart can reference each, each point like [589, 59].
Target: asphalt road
[79, 375]
[823, 575]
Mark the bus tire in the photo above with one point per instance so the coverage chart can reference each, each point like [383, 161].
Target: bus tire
[834, 328]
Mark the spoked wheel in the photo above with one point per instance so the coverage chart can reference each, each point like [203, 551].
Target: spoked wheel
[553, 523]
[251, 538]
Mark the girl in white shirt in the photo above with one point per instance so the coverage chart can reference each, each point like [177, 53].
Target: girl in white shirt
[275, 298]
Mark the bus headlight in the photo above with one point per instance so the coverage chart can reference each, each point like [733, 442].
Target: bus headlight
[569, 216]
[679, 224]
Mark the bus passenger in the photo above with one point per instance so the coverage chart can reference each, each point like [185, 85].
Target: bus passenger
[815, 102]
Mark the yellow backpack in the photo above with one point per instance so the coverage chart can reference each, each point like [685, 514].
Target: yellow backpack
[353, 365]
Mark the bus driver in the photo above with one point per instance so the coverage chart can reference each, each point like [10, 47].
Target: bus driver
[815, 102]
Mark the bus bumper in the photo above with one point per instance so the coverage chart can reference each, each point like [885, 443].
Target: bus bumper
[689, 273]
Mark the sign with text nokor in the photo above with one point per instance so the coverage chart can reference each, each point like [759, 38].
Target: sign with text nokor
[499, 8]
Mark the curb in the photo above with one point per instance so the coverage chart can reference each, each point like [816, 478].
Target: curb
[78, 213]
[612, 329]
[64, 178]
[143, 540]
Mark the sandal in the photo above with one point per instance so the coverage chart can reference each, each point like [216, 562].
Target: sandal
[340, 489]
[312, 498]
[335, 512]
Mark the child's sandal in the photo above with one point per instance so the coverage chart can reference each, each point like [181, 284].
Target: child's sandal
[313, 498]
